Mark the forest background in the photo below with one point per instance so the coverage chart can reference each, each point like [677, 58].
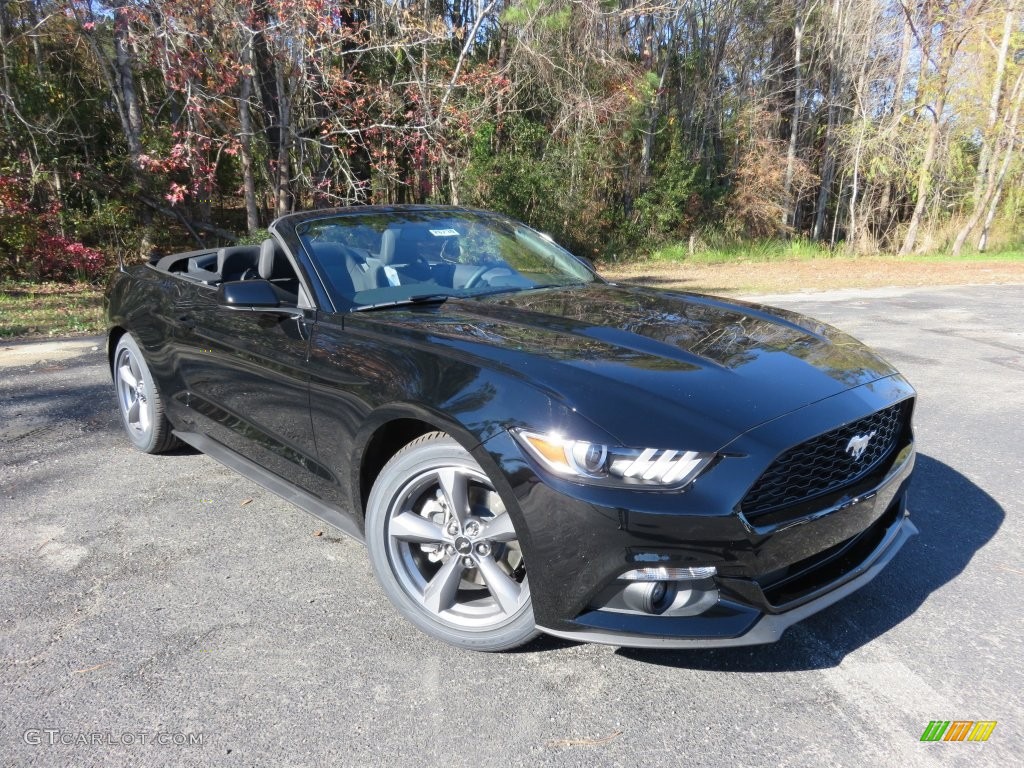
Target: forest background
[627, 129]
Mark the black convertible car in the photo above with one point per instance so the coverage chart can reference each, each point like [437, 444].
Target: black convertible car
[523, 446]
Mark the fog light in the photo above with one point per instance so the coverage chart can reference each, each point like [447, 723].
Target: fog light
[669, 574]
[649, 597]
[660, 591]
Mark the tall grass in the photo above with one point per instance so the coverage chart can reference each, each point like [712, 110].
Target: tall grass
[717, 250]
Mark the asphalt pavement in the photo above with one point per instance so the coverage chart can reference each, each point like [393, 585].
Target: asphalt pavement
[165, 611]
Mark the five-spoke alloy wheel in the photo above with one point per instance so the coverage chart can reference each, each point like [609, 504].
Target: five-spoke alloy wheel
[445, 549]
[142, 410]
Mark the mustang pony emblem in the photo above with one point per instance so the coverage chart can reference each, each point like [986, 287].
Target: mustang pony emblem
[858, 444]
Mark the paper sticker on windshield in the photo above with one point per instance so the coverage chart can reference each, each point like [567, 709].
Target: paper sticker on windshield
[444, 232]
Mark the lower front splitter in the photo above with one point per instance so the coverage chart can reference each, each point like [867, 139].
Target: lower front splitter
[767, 629]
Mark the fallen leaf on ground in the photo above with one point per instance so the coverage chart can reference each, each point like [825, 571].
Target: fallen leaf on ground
[318, 533]
[245, 501]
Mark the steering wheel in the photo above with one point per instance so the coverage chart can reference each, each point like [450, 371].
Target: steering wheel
[452, 244]
[477, 277]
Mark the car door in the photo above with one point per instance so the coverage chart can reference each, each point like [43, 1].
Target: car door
[247, 380]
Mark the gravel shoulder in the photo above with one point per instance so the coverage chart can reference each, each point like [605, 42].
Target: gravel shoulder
[14, 354]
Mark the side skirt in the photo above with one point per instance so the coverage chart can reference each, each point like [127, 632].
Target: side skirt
[273, 483]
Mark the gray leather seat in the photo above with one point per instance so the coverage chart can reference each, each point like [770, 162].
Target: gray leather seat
[402, 249]
[274, 266]
[388, 241]
[348, 272]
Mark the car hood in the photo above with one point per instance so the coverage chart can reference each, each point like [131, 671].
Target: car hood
[625, 357]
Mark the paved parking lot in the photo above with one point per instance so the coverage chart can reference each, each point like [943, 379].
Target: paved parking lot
[165, 599]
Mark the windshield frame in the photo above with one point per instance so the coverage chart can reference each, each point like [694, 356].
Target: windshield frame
[291, 228]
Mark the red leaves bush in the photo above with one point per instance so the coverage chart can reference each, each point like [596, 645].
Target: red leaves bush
[32, 246]
[58, 258]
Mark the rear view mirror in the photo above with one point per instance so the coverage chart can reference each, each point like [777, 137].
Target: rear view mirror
[248, 294]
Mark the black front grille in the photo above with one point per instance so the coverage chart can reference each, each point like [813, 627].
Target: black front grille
[826, 463]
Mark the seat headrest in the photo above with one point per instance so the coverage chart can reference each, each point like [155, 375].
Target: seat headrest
[268, 255]
[388, 240]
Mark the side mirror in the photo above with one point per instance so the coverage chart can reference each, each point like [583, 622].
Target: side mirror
[251, 295]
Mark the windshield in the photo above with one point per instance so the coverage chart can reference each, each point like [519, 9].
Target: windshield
[380, 258]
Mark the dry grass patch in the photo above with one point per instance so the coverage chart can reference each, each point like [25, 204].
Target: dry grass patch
[733, 278]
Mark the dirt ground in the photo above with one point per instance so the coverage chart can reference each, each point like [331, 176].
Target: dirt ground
[812, 275]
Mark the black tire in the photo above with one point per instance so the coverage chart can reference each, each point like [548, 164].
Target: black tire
[431, 498]
[139, 401]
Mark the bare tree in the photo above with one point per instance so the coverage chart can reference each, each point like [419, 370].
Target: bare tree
[949, 22]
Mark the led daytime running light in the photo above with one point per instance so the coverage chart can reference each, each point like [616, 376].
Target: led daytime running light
[613, 465]
[670, 574]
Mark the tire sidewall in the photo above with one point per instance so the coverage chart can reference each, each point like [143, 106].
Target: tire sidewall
[409, 463]
[146, 443]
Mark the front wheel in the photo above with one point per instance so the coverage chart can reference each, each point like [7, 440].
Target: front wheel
[138, 399]
[445, 550]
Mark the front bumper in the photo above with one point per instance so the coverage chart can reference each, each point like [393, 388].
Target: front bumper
[768, 627]
[578, 540]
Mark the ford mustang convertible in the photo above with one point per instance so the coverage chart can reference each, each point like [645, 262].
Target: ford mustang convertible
[522, 446]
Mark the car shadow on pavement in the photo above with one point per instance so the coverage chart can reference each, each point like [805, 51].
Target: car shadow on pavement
[61, 399]
[941, 500]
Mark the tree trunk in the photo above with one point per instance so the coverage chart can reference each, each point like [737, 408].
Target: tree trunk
[131, 118]
[33, 22]
[275, 110]
[885, 209]
[651, 119]
[252, 214]
[923, 182]
[126, 81]
[862, 86]
[828, 166]
[983, 240]
[284, 172]
[945, 34]
[5, 26]
[994, 181]
[924, 172]
[789, 207]
[852, 233]
[993, 111]
[906, 45]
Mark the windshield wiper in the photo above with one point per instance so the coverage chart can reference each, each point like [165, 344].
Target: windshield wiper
[553, 286]
[423, 298]
[495, 292]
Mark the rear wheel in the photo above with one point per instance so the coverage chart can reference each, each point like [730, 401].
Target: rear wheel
[445, 550]
[142, 409]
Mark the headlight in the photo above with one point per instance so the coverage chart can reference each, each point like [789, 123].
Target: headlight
[613, 465]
